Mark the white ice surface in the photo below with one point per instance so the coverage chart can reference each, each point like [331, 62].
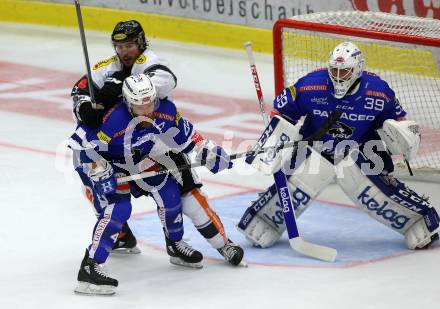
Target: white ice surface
[46, 223]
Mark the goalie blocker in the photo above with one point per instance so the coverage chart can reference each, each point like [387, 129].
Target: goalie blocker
[383, 197]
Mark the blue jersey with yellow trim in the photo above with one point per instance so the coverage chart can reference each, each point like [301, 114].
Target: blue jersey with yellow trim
[362, 112]
[122, 135]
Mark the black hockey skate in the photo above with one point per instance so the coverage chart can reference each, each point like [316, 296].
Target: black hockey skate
[126, 242]
[232, 253]
[181, 253]
[92, 280]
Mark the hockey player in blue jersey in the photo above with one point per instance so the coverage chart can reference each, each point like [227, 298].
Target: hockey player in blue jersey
[132, 55]
[137, 135]
[352, 152]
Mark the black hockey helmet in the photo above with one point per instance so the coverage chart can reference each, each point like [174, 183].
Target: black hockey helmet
[126, 31]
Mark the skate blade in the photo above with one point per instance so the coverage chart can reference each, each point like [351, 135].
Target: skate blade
[180, 262]
[122, 251]
[89, 289]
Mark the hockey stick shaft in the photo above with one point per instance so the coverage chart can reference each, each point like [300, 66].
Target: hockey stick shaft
[250, 54]
[409, 168]
[296, 242]
[85, 52]
[203, 162]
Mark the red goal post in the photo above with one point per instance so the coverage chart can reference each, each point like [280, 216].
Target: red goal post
[402, 50]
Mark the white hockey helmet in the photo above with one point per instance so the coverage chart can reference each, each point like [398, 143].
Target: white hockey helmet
[345, 66]
[139, 90]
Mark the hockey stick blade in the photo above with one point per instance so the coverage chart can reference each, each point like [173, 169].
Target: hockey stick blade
[313, 250]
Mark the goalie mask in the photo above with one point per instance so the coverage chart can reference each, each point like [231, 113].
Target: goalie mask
[127, 31]
[345, 66]
[140, 95]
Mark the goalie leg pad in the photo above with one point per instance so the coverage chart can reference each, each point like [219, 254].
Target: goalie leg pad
[263, 222]
[390, 202]
[422, 233]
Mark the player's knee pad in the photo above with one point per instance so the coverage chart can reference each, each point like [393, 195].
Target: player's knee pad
[263, 222]
[388, 201]
[195, 205]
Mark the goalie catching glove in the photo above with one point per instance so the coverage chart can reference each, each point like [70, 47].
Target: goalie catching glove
[401, 137]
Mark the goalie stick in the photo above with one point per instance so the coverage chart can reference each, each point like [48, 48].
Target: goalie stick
[248, 46]
[296, 242]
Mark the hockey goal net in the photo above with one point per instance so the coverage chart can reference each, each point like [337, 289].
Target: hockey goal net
[402, 50]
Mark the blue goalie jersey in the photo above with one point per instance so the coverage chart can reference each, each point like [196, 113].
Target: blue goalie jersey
[363, 112]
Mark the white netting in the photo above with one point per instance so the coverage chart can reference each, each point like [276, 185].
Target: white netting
[412, 70]
[383, 22]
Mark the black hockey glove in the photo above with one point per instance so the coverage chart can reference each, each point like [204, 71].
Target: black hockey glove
[111, 90]
[84, 112]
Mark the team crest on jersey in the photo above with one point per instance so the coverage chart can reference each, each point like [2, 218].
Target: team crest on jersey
[141, 59]
[105, 62]
[340, 131]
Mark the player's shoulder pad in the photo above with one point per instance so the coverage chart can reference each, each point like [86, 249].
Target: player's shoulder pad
[105, 63]
[114, 123]
[377, 87]
[104, 69]
[166, 115]
[153, 58]
[317, 80]
[145, 60]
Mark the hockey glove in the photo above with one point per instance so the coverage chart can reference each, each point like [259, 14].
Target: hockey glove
[112, 89]
[216, 157]
[85, 113]
[103, 178]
